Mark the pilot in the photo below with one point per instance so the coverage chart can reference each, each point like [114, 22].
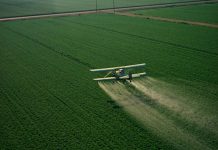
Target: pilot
[122, 73]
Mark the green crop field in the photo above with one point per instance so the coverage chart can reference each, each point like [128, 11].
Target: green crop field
[201, 13]
[10, 8]
[49, 100]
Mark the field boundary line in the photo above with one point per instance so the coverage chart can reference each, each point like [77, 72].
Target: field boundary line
[196, 23]
[164, 5]
[109, 10]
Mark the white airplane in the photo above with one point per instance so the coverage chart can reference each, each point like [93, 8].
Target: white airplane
[119, 73]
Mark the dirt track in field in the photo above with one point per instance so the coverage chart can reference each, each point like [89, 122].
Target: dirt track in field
[156, 108]
[169, 20]
[109, 10]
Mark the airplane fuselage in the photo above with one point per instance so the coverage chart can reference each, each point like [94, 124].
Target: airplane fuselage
[119, 73]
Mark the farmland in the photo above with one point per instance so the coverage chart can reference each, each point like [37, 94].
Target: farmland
[201, 13]
[33, 7]
[49, 100]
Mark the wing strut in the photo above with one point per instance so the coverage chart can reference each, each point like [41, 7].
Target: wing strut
[108, 74]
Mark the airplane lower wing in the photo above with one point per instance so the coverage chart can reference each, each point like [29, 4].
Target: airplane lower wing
[120, 67]
[137, 75]
[105, 79]
[123, 77]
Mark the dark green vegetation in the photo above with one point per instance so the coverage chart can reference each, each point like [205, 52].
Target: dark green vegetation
[201, 13]
[10, 8]
[48, 98]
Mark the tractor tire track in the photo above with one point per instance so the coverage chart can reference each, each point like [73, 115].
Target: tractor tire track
[60, 53]
[35, 83]
[187, 48]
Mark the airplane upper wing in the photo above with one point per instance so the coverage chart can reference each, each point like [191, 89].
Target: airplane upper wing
[120, 67]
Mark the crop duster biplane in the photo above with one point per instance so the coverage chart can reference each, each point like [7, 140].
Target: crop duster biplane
[119, 73]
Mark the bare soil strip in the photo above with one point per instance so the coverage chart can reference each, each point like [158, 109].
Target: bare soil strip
[169, 20]
[109, 10]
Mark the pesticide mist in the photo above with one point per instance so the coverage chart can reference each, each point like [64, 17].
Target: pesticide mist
[159, 107]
